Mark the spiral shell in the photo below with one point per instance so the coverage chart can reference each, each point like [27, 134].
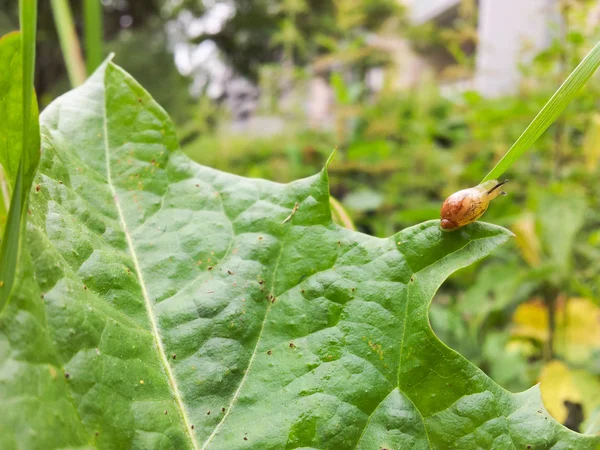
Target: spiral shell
[468, 205]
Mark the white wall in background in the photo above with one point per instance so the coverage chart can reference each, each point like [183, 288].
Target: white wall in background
[510, 32]
[422, 11]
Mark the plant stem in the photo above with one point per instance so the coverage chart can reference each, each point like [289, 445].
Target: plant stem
[551, 304]
[92, 15]
[550, 296]
[69, 42]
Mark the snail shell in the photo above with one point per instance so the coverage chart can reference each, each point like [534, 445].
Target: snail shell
[468, 205]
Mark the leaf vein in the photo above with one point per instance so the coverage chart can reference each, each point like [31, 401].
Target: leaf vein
[147, 302]
[269, 305]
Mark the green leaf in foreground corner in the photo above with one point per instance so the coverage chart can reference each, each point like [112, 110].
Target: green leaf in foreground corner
[11, 112]
[19, 139]
[163, 305]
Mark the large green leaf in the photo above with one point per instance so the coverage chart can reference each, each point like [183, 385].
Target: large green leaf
[163, 305]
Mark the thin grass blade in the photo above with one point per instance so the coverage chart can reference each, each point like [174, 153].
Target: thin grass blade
[69, 42]
[92, 15]
[550, 112]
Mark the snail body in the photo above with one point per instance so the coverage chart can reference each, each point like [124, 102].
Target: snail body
[468, 205]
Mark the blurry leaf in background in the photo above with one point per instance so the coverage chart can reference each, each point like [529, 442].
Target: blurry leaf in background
[506, 365]
[497, 287]
[369, 151]
[525, 348]
[363, 200]
[577, 334]
[578, 330]
[569, 394]
[425, 211]
[527, 239]
[591, 144]
[561, 211]
[530, 321]
[340, 89]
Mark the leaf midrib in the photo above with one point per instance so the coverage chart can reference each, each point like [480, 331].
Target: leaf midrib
[151, 316]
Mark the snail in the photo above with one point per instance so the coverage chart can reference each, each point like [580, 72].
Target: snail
[468, 205]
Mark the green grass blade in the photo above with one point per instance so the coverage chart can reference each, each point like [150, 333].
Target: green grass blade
[550, 112]
[4, 200]
[11, 242]
[9, 249]
[92, 14]
[28, 21]
[69, 42]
